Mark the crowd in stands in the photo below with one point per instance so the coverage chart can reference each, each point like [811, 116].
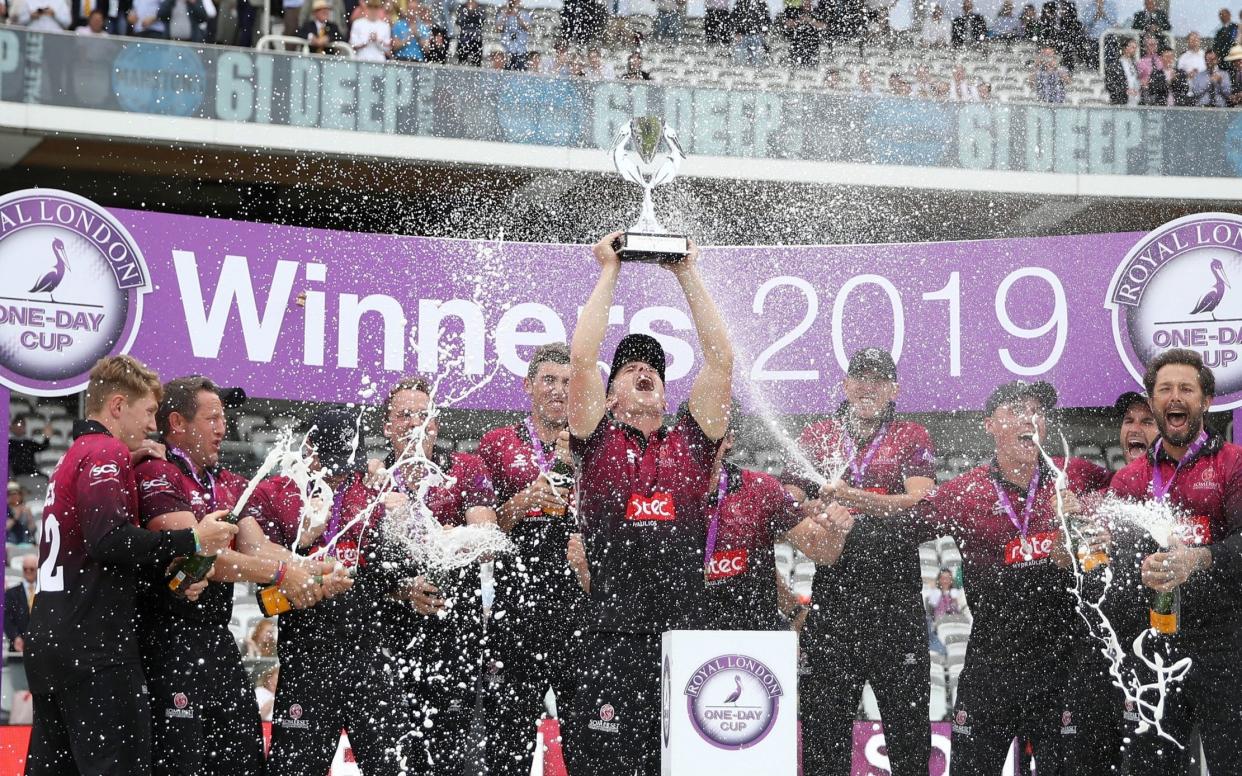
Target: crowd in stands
[1067, 37]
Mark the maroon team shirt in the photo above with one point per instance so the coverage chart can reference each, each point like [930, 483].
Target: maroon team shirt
[545, 582]
[741, 575]
[1020, 599]
[176, 485]
[642, 504]
[472, 487]
[84, 614]
[1207, 492]
[876, 584]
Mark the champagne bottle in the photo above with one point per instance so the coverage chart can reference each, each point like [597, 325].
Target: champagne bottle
[273, 602]
[1166, 612]
[187, 571]
[1088, 560]
[562, 476]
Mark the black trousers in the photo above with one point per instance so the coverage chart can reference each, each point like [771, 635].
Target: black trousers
[899, 673]
[1090, 738]
[321, 694]
[1211, 697]
[204, 716]
[100, 727]
[613, 723]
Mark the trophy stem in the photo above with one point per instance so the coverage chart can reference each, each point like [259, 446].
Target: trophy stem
[647, 222]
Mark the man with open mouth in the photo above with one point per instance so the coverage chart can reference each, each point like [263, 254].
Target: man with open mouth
[1200, 475]
[1138, 425]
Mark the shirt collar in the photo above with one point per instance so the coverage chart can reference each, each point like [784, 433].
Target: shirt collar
[84, 427]
[995, 474]
[1212, 445]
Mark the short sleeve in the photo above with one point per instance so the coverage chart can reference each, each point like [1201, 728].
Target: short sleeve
[158, 491]
[702, 449]
[919, 455]
[584, 448]
[276, 509]
[474, 485]
[782, 510]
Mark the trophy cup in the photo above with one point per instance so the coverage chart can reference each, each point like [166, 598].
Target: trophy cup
[646, 153]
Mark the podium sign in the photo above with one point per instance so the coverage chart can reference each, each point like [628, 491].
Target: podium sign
[729, 703]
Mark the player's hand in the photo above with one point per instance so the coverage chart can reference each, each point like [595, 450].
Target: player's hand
[336, 580]
[394, 501]
[562, 448]
[540, 495]
[606, 251]
[424, 595]
[1164, 571]
[836, 519]
[686, 264]
[1070, 503]
[214, 534]
[301, 584]
[311, 532]
[148, 448]
[19, 644]
[195, 590]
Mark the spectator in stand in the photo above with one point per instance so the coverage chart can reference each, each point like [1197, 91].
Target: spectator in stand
[961, 89]
[1225, 36]
[945, 598]
[866, 84]
[750, 28]
[634, 69]
[185, 20]
[717, 25]
[985, 91]
[470, 20]
[437, 49]
[23, 450]
[1234, 60]
[411, 35]
[1150, 61]
[20, 526]
[670, 19]
[1212, 87]
[969, 29]
[1151, 19]
[514, 25]
[1121, 76]
[371, 36]
[1028, 23]
[96, 25]
[291, 15]
[17, 603]
[320, 32]
[498, 60]
[937, 28]
[805, 32]
[1192, 61]
[1160, 83]
[42, 15]
[596, 68]
[923, 86]
[265, 692]
[832, 79]
[898, 86]
[1098, 16]
[561, 63]
[144, 21]
[262, 640]
[1006, 25]
[1048, 79]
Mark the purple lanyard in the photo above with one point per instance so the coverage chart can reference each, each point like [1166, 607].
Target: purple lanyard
[338, 506]
[1159, 488]
[541, 458]
[860, 469]
[721, 491]
[210, 486]
[1026, 509]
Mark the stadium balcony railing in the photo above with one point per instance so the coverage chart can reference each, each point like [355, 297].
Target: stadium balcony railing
[300, 45]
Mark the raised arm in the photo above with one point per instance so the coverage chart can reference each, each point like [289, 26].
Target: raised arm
[586, 387]
[709, 397]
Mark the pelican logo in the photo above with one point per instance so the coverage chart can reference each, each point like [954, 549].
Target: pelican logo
[733, 701]
[1179, 288]
[73, 293]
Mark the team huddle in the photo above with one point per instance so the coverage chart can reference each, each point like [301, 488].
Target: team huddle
[624, 525]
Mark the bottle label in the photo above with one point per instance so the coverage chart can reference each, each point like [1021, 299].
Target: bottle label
[1164, 623]
[1092, 561]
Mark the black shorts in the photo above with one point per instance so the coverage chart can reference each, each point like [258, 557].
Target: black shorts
[204, 716]
[101, 726]
[613, 723]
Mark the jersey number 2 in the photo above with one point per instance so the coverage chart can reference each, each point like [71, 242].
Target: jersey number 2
[51, 575]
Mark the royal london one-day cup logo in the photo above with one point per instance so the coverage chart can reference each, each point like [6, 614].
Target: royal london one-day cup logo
[73, 285]
[1181, 287]
[733, 701]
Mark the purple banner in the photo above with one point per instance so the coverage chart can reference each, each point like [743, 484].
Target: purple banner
[314, 314]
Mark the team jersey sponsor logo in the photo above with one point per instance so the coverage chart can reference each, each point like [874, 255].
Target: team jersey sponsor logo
[606, 722]
[1181, 286]
[346, 553]
[727, 563]
[293, 718]
[1131, 712]
[180, 707]
[1036, 547]
[158, 484]
[1195, 531]
[1068, 728]
[104, 472]
[733, 701]
[658, 507]
[959, 723]
[74, 281]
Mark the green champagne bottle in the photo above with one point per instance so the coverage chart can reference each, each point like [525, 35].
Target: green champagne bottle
[1166, 612]
[187, 571]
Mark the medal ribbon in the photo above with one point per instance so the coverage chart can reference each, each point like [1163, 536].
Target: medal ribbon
[860, 469]
[334, 519]
[209, 486]
[722, 489]
[1003, 496]
[1159, 488]
[541, 458]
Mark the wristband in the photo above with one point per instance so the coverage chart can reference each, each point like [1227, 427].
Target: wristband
[198, 543]
[281, 570]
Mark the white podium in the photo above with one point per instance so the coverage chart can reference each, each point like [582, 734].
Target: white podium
[729, 703]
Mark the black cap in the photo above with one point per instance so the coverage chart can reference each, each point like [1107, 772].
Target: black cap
[1129, 398]
[637, 347]
[233, 397]
[872, 361]
[331, 434]
[1020, 390]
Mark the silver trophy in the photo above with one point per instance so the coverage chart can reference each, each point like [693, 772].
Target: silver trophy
[646, 152]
